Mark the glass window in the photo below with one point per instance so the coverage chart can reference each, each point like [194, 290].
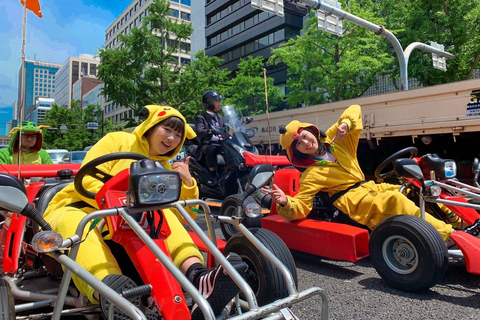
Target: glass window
[186, 2]
[263, 42]
[174, 13]
[184, 61]
[185, 16]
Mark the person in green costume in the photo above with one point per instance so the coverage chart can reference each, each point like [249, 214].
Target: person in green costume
[31, 151]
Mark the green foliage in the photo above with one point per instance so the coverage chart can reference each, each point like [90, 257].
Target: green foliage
[323, 67]
[145, 69]
[76, 119]
[454, 23]
[247, 90]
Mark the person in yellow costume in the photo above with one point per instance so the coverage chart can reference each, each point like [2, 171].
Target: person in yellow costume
[159, 137]
[334, 169]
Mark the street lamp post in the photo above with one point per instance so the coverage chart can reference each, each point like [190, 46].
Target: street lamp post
[378, 30]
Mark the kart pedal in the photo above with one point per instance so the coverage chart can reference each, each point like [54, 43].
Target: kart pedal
[129, 290]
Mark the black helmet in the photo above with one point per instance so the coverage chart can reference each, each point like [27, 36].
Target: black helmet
[208, 98]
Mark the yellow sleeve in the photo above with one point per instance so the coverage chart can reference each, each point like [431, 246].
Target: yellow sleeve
[352, 116]
[299, 206]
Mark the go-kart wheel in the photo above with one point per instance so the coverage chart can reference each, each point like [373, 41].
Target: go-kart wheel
[91, 170]
[408, 253]
[265, 280]
[378, 172]
[7, 305]
[228, 209]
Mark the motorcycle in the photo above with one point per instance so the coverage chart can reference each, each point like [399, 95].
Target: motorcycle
[37, 265]
[237, 157]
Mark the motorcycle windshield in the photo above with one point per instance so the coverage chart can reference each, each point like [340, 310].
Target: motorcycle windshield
[233, 118]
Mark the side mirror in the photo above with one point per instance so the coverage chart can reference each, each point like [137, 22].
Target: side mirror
[248, 120]
[408, 168]
[476, 165]
[260, 175]
[13, 195]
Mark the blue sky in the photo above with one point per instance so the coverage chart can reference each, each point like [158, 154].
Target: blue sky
[68, 28]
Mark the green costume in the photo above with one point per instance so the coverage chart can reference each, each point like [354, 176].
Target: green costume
[36, 155]
[367, 204]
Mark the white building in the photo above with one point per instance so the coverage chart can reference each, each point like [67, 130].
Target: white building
[69, 73]
[36, 112]
[131, 18]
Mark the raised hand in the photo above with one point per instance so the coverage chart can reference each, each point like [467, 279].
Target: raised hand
[278, 196]
[182, 169]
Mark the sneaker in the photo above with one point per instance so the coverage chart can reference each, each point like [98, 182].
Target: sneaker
[120, 284]
[474, 229]
[217, 287]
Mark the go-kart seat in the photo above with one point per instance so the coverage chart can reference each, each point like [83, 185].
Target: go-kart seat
[48, 195]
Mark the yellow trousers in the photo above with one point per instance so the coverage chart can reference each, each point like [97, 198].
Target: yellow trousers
[371, 203]
[95, 256]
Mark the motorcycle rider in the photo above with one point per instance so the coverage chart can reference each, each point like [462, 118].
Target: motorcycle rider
[205, 126]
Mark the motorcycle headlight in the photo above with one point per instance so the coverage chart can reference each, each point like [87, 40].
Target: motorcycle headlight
[450, 169]
[253, 210]
[46, 241]
[152, 184]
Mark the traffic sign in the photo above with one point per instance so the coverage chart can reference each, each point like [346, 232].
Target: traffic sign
[92, 126]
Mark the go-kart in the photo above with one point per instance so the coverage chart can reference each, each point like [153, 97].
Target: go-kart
[407, 252]
[37, 264]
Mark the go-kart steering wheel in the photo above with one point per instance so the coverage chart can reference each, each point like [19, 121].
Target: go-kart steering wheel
[91, 169]
[378, 172]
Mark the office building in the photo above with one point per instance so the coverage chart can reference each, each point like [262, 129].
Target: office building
[234, 30]
[130, 18]
[37, 111]
[93, 97]
[73, 69]
[39, 82]
[82, 86]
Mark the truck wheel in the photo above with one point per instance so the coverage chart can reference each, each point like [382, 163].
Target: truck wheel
[228, 208]
[408, 253]
[265, 280]
[7, 305]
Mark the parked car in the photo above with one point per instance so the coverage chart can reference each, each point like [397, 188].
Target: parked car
[73, 157]
[56, 154]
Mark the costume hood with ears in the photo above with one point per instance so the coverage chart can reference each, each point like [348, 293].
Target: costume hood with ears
[30, 128]
[290, 133]
[156, 114]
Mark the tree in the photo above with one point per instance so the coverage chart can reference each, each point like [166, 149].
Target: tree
[76, 119]
[323, 67]
[145, 70]
[454, 23]
[247, 90]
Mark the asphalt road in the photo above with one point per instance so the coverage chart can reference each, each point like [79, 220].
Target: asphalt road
[356, 291]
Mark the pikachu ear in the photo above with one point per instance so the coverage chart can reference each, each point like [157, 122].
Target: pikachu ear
[190, 134]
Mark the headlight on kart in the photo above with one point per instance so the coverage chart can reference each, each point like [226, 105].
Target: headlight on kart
[46, 241]
[450, 169]
[435, 191]
[253, 210]
[152, 184]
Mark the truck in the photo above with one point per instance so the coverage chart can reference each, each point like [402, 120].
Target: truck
[442, 119]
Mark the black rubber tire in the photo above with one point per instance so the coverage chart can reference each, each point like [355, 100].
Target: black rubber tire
[7, 304]
[228, 208]
[408, 253]
[266, 281]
